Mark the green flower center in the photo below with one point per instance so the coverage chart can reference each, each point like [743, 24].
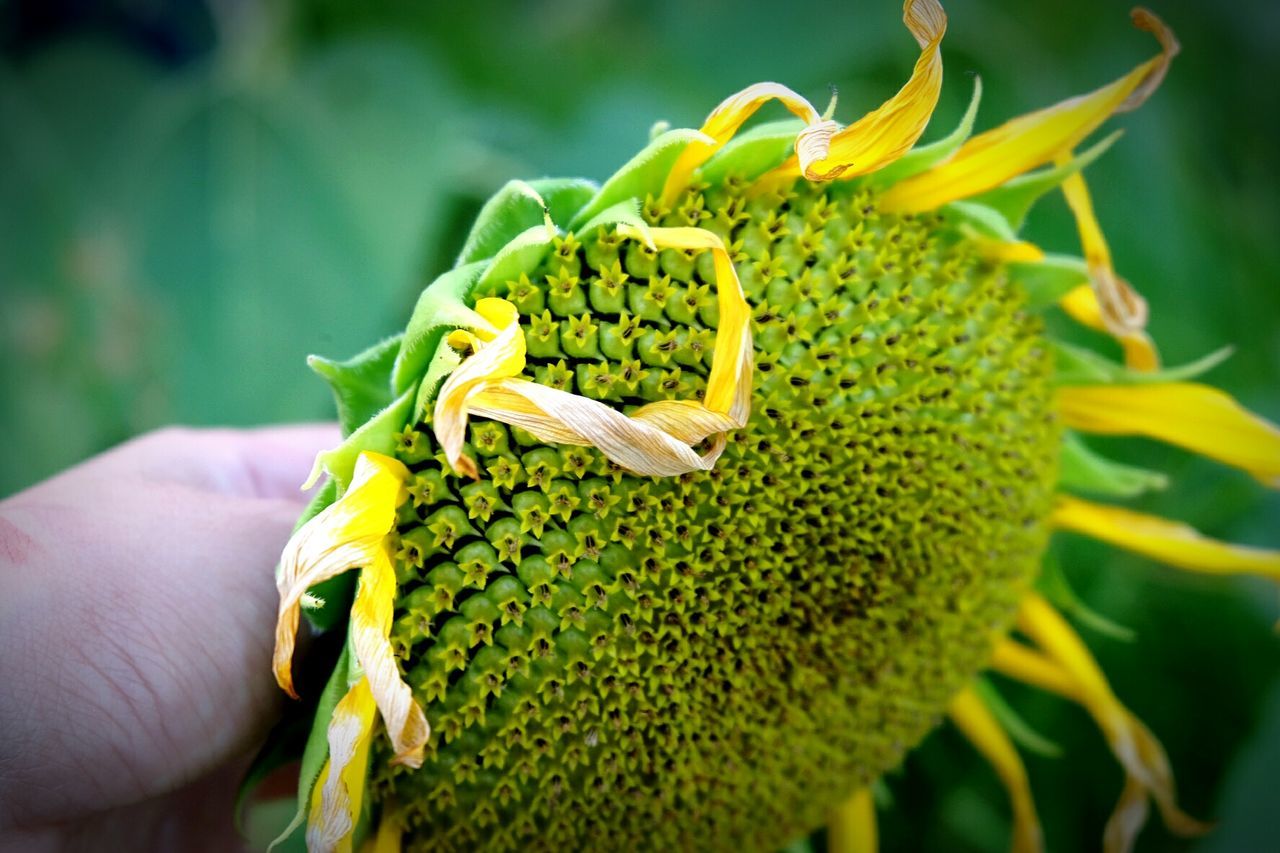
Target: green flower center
[715, 660]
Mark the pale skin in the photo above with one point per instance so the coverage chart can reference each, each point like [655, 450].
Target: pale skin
[137, 606]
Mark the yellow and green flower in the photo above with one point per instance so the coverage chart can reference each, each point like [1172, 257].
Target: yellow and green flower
[687, 504]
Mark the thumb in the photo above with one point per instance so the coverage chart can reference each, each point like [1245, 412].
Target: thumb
[267, 462]
[137, 620]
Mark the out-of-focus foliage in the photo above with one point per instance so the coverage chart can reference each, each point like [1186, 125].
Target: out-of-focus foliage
[192, 199]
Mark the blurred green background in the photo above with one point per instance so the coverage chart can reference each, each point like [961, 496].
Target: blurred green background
[195, 196]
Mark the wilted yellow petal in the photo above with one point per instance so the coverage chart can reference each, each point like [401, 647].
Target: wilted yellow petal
[1200, 418]
[982, 730]
[338, 795]
[1167, 541]
[685, 420]
[1120, 307]
[558, 416]
[1134, 746]
[989, 159]
[880, 137]
[1081, 303]
[1140, 351]
[491, 316]
[729, 384]
[370, 629]
[1007, 251]
[851, 827]
[345, 535]
[1030, 667]
[656, 440]
[723, 123]
[494, 357]
[1121, 310]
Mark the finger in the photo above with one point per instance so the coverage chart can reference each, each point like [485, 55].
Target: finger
[273, 462]
[266, 462]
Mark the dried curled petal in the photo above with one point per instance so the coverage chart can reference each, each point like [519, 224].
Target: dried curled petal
[352, 532]
[370, 628]
[346, 535]
[1065, 666]
[724, 121]
[338, 795]
[1121, 309]
[1017, 146]
[1081, 303]
[655, 440]
[886, 133]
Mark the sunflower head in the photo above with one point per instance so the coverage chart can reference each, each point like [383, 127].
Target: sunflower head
[631, 659]
[688, 503]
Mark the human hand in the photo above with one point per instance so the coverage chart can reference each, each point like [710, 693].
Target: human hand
[137, 606]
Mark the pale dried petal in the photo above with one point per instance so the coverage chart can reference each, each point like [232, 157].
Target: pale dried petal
[633, 444]
[1129, 817]
[1081, 303]
[686, 420]
[1121, 309]
[371, 615]
[339, 792]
